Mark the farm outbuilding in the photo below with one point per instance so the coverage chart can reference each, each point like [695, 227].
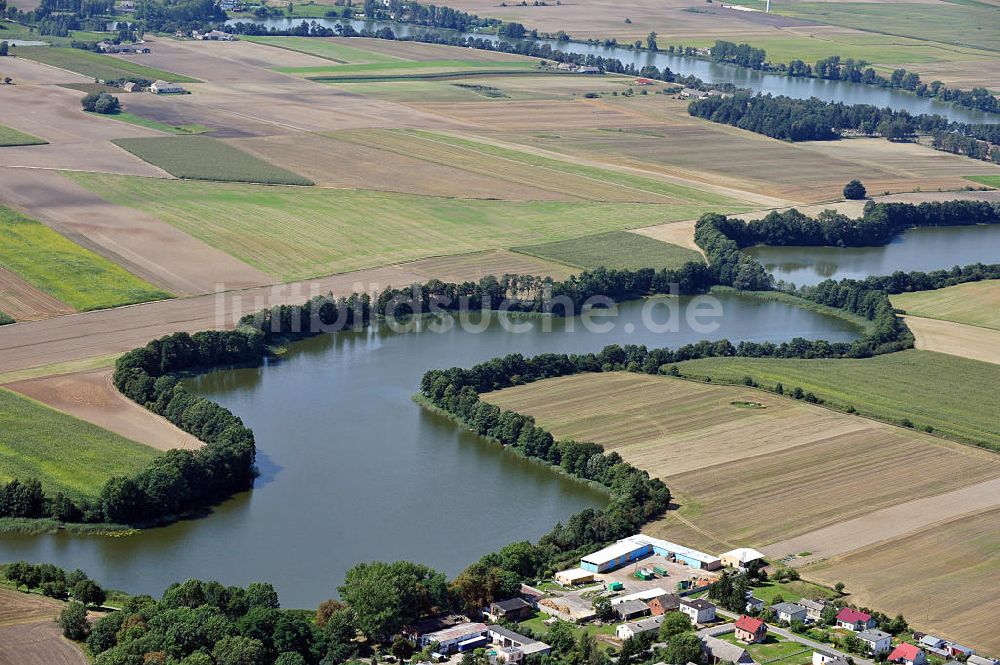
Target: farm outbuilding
[574, 576]
[740, 557]
[163, 88]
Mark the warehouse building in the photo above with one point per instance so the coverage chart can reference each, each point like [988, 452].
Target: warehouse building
[638, 547]
[463, 637]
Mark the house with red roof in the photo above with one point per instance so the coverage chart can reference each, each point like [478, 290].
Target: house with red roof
[907, 654]
[750, 630]
[855, 620]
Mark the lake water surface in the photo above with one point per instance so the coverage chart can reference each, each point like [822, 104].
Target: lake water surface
[353, 470]
[711, 72]
[928, 248]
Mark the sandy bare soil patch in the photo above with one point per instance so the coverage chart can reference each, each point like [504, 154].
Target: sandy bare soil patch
[144, 245]
[92, 397]
[675, 233]
[25, 302]
[29, 634]
[336, 163]
[943, 578]
[101, 333]
[888, 523]
[956, 339]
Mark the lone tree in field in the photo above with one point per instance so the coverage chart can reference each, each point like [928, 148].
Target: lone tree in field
[854, 190]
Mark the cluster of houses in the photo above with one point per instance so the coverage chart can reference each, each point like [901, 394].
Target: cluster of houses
[578, 69]
[111, 47]
[456, 634]
[693, 93]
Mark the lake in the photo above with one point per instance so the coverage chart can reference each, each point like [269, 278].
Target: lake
[710, 72]
[928, 248]
[353, 470]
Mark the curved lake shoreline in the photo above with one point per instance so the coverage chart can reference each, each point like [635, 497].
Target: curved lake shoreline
[354, 470]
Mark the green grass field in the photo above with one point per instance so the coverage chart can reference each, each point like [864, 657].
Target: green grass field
[956, 396]
[323, 48]
[63, 269]
[96, 65]
[974, 303]
[296, 232]
[66, 454]
[11, 137]
[133, 119]
[203, 158]
[974, 24]
[988, 180]
[792, 591]
[614, 249]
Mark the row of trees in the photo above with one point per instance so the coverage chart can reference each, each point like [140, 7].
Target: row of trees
[835, 68]
[55, 582]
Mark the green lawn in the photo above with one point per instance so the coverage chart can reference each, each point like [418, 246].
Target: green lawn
[973, 303]
[324, 48]
[96, 65]
[303, 232]
[487, 151]
[614, 249]
[10, 137]
[63, 269]
[791, 591]
[538, 627]
[774, 649]
[66, 454]
[133, 119]
[203, 158]
[956, 396]
[988, 180]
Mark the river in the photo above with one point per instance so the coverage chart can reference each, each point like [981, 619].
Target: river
[353, 470]
[711, 72]
[928, 248]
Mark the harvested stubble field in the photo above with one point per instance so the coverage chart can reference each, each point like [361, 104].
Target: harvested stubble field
[96, 65]
[806, 172]
[11, 137]
[62, 269]
[202, 158]
[804, 466]
[973, 303]
[29, 634]
[302, 232]
[614, 249]
[956, 396]
[66, 454]
[521, 167]
[954, 562]
[957, 339]
[412, 68]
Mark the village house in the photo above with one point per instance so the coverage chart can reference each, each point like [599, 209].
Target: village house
[877, 641]
[694, 94]
[789, 612]
[566, 66]
[750, 630]
[418, 629]
[668, 602]
[629, 630]
[820, 658]
[699, 610]
[516, 646]
[574, 576]
[460, 638]
[164, 88]
[721, 651]
[741, 557]
[814, 608]
[754, 604]
[513, 609]
[855, 620]
[907, 654]
[131, 86]
[630, 609]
